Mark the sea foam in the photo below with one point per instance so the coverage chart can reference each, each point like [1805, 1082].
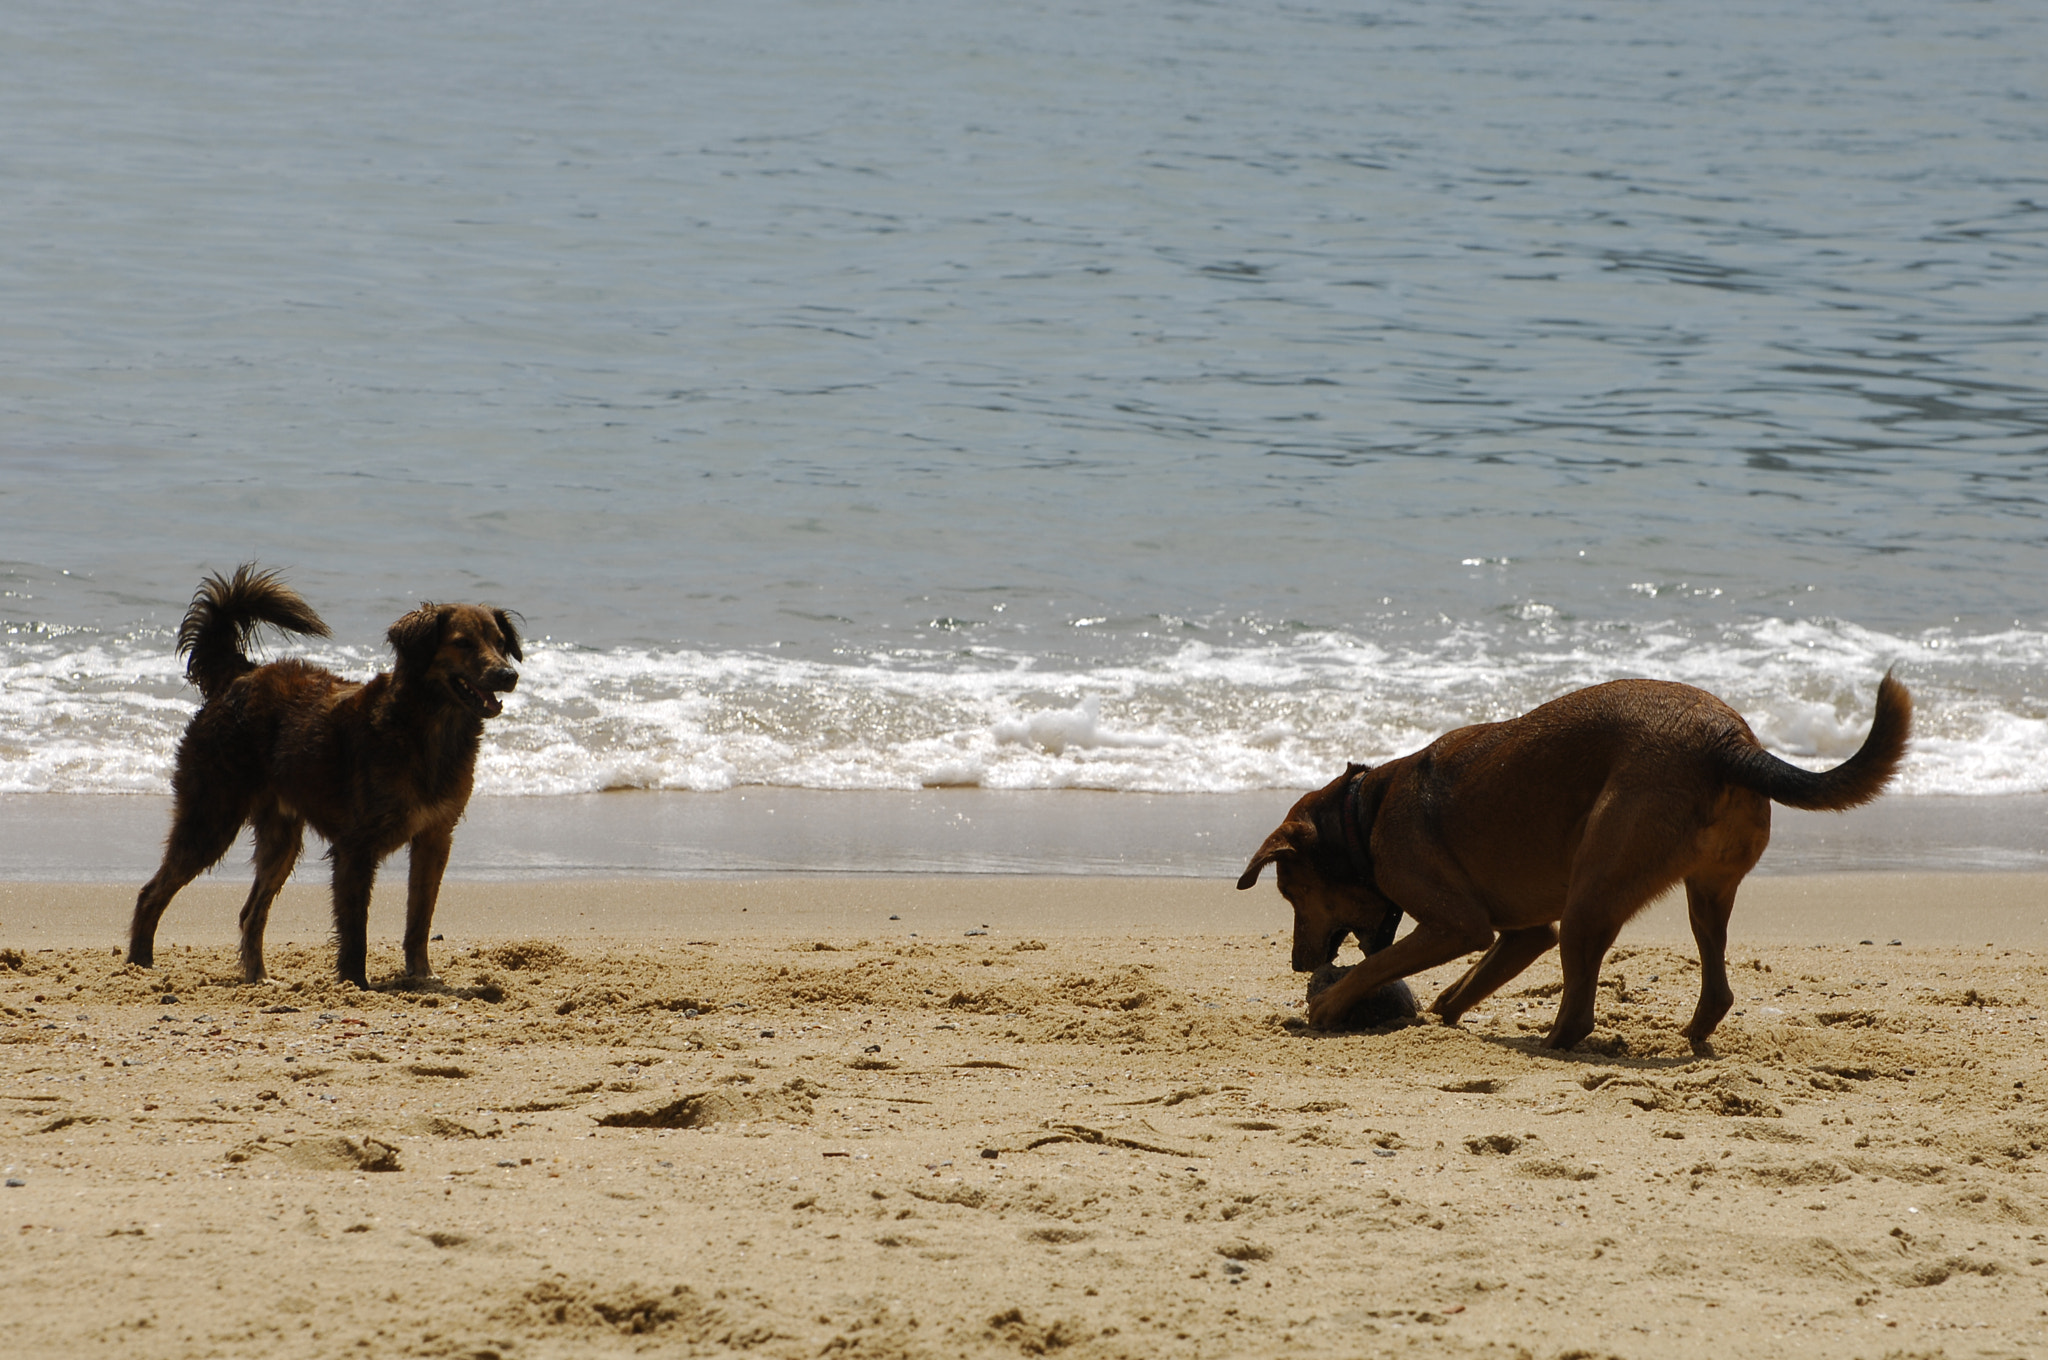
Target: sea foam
[81, 713]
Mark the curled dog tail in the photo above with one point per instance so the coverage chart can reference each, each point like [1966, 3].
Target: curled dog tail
[225, 614]
[1852, 783]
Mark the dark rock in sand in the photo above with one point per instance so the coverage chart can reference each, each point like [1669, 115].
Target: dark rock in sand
[1382, 1005]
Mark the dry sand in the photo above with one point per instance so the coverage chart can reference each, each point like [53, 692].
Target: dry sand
[1097, 1129]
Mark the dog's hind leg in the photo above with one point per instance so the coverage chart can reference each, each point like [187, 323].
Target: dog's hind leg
[1510, 954]
[1582, 945]
[1621, 867]
[429, 860]
[1733, 844]
[201, 832]
[355, 874]
[279, 838]
[1709, 902]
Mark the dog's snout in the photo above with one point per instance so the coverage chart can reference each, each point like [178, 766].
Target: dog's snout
[501, 678]
[1312, 951]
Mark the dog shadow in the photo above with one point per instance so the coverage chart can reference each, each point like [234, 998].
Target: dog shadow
[1602, 1048]
[438, 987]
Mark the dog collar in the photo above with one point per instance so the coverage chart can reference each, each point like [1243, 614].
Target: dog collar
[1355, 834]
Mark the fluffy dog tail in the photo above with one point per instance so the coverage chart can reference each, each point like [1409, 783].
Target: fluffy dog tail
[224, 616]
[1854, 782]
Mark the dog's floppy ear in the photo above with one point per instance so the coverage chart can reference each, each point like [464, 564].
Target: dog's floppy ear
[504, 618]
[1291, 839]
[416, 637]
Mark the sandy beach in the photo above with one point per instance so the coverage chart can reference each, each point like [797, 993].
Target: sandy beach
[1002, 1116]
[950, 477]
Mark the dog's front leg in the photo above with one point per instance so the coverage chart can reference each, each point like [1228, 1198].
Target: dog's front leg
[429, 860]
[355, 874]
[1426, 946]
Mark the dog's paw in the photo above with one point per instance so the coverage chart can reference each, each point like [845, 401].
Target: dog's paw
[1321, 1014]
[1333, 1007]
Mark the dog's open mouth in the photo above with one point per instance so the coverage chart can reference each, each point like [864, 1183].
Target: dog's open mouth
[482, 700]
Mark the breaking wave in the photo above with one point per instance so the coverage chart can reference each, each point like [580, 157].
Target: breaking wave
[83, 713]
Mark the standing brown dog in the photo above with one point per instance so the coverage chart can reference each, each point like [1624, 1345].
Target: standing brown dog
[371, 766]
[1580, 813]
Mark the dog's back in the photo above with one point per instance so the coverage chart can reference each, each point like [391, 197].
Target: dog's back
[1625, 737]
[1663, 759]
[270, 727]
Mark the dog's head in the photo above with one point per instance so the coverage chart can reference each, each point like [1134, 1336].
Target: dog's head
[463, 652]
[1316, 878]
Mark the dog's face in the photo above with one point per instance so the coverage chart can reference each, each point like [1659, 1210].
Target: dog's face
[462, 651]
[1326, 909]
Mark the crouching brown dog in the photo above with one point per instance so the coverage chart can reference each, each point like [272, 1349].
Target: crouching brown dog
[1553, 828]
[369, 766]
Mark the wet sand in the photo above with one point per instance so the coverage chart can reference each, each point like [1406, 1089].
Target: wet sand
[1922, 908]
[765, 831]
[762, 1117]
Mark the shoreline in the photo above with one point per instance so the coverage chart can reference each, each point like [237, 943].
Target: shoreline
[1840, 909]
[774, 831]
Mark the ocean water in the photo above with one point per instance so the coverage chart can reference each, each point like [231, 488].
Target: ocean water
[1160, 398]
